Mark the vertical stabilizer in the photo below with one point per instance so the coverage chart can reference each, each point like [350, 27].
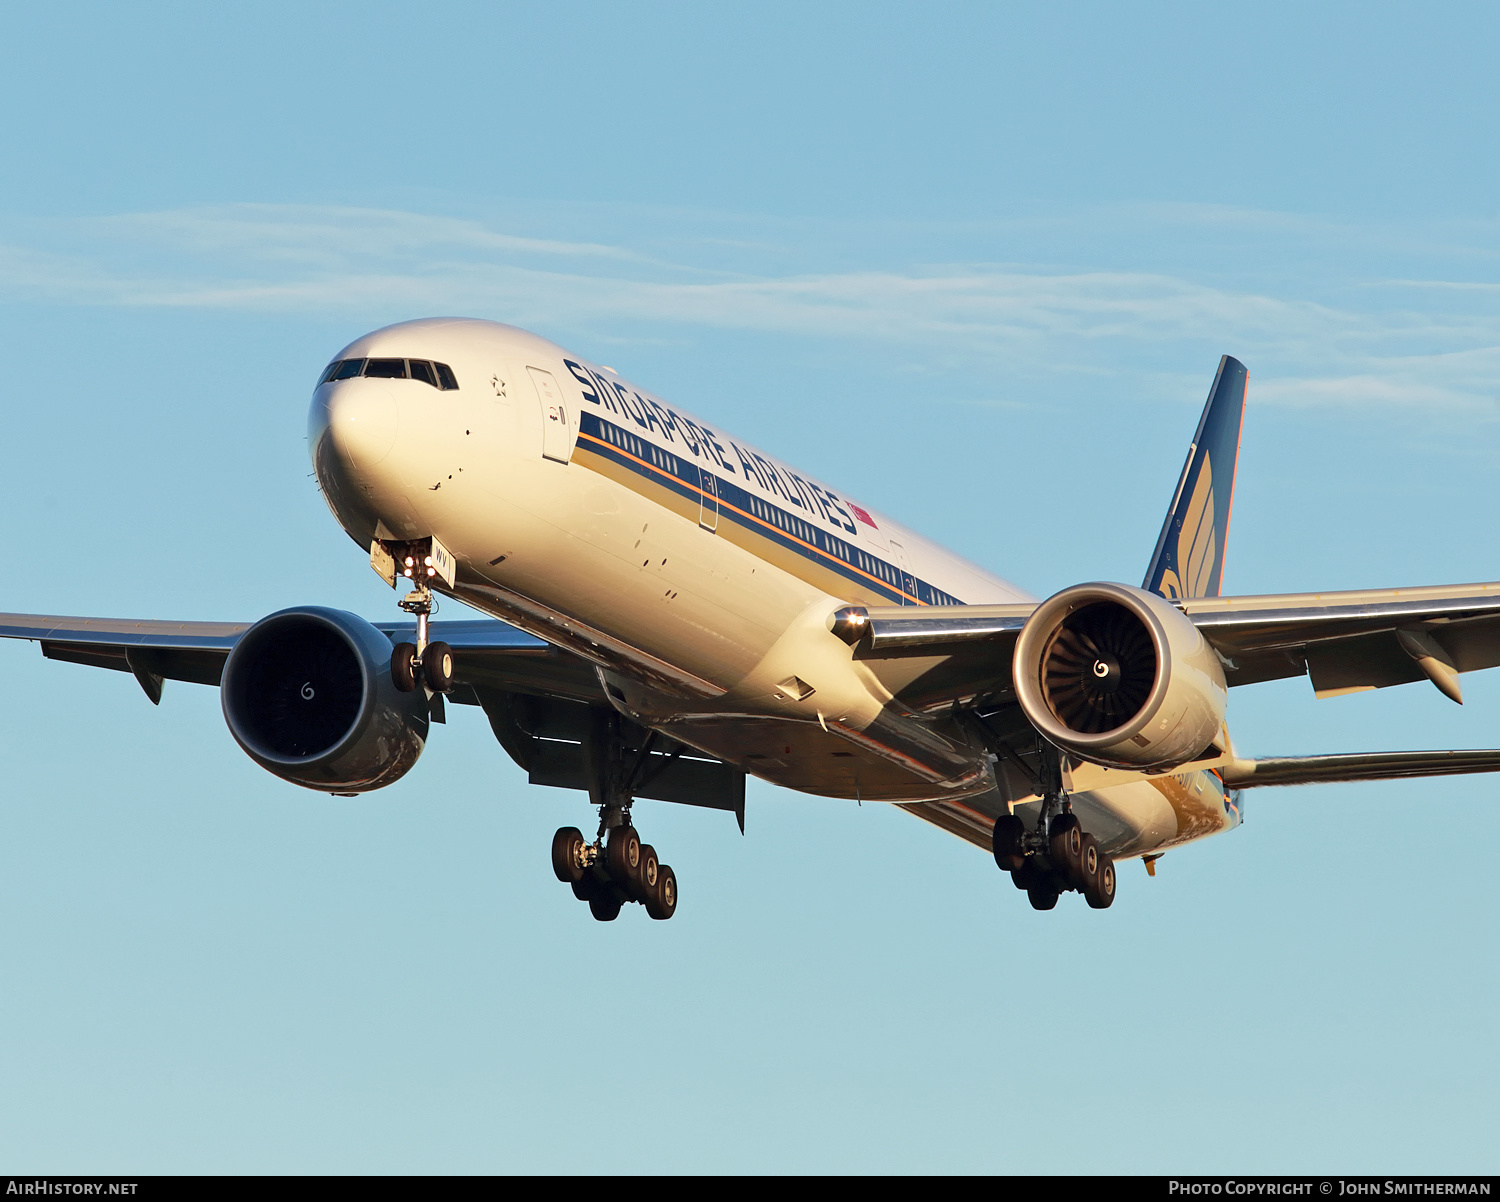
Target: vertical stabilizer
[1189, 558]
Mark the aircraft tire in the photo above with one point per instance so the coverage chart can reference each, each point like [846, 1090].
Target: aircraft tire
[1065, 846]
[649, 876]
[661, 902]
[622, 856]
[403, 674]
[1042, 898]
[605, 907]
[1008, 842]
[1100, 893]
[1088, 860]
[567, 864]
[437, 667]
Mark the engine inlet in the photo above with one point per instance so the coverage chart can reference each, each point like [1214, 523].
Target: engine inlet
[1099, 668]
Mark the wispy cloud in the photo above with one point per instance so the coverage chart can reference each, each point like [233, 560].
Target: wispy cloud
[366, 262]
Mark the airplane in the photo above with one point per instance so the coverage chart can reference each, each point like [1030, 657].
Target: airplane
[670, 610]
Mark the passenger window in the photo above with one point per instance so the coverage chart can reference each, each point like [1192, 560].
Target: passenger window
[349, 368]
[422, 370]
[446, 378]
[386, 369]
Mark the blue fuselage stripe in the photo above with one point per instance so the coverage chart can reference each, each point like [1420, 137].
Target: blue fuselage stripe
[754, 513]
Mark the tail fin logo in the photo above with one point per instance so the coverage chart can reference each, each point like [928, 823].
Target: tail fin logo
[1189, 558]
[1197, 542]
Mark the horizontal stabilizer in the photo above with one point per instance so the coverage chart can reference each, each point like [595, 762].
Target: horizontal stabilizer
[1374, 765]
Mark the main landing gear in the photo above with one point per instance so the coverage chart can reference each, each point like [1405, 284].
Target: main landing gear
[616, 867]
[1055, 857]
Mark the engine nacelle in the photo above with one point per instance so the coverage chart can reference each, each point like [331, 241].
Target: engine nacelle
[308, 694]
[1120, 677]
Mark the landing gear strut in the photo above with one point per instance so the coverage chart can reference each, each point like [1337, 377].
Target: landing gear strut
[422, 662]
[1058, 855]
[616, 867]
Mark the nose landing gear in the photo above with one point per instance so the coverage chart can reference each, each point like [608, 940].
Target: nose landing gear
[422, 561]
[422, 662]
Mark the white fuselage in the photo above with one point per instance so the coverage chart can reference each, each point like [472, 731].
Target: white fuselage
[696, 572]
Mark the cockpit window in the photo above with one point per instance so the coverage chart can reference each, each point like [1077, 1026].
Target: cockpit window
[342, 369]
[438, 375]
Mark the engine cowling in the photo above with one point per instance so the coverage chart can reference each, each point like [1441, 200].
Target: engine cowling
[308, 694]
[1120, 677]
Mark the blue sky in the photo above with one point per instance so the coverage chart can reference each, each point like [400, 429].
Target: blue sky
[973, 264]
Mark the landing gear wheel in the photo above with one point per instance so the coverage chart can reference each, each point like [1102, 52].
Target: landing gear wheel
[1088, 859]
[1065, 846]
[623, 856]
[403, 666]
[604, 906]
[1029, 875]
[661, 902]
[650, 873]
[437, 667]
[1042, 898]
[1009, 842]
[567, 855]
[1100, 891]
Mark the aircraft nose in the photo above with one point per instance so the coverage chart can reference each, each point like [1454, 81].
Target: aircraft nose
[351, 429]
[359, 418]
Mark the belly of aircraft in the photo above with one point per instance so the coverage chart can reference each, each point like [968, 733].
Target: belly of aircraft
[1138, 818]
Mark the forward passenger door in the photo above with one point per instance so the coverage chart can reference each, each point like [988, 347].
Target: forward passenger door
[559, 417]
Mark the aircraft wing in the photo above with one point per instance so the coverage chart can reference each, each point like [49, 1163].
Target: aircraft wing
[1377, 765]
[488, 655]
[536, 696]
[1343, 641]
[1355, 640]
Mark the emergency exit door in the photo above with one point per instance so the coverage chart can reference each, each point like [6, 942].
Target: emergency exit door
[708, 512]
[908, 581]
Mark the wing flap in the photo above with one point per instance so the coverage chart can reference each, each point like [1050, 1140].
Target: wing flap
[90, 656]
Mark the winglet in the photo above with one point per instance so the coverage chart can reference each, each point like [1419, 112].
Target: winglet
[1189, 558]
